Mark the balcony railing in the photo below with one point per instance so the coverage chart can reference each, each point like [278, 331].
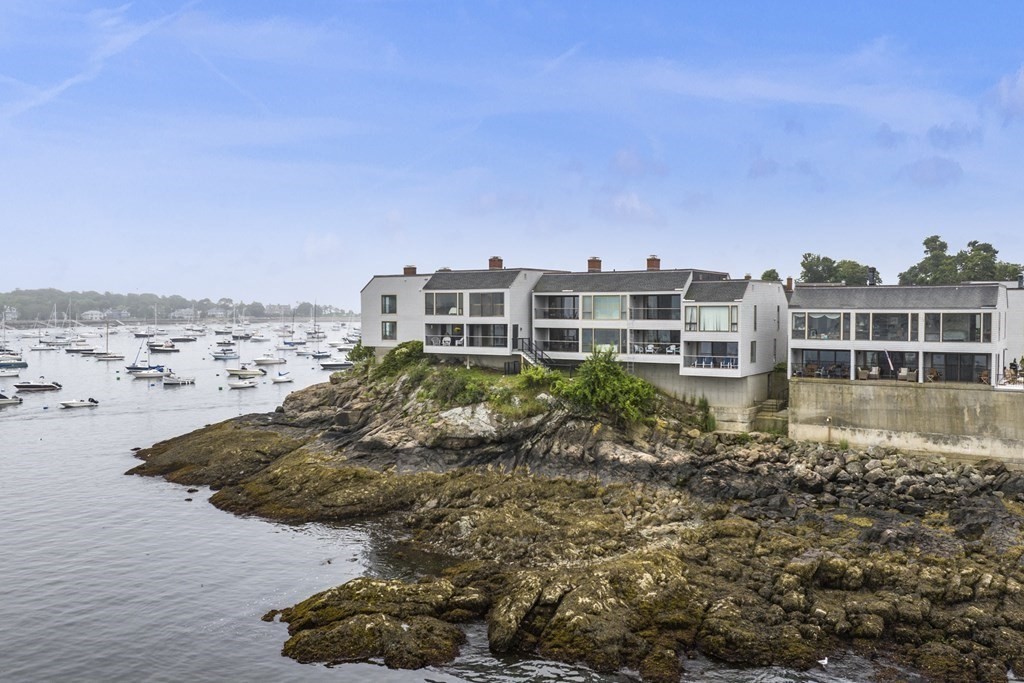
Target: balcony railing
[556, 314]
[444, 340]
[644, 313]
[558, 346]
[709, 362]
[654, 347]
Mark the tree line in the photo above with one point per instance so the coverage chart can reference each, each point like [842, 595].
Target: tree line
[978, 262]
[40, 305]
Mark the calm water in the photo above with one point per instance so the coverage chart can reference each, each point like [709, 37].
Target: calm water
[105, 577]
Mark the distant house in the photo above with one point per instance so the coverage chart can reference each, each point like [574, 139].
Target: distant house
[9, 313]
[181, 314]
[92, 316]
[217, 312]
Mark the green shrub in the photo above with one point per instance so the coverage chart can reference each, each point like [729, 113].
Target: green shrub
[844, 445]
[397, 359]
[360, 353]
[455, 386]
[602, 386]
[537, 377]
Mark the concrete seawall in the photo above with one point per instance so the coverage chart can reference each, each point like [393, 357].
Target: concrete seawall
[963, 420]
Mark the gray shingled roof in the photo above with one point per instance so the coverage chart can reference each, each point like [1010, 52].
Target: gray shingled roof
[621, 281]
[727, 290]
[895, 297]
[455, 280]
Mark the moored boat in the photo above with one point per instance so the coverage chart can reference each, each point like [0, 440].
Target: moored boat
[80, 403]
[243, 384]
[270, 358]
[282, 378]
[336, 364]
[9, 400]
[245, 371]
[173, 380]
[41, 384]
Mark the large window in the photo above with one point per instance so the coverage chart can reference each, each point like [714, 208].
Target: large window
[558, 307]
[389, 330]
[489, 336]
[603, 340]
[823, 325]
[487, 304]
[889, 327]
[956, 367]
[656, 307]
[443, 303]
[566, 340]
[389, 303]
[712, 318]
[604, 307]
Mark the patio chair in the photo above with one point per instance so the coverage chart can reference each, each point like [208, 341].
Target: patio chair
[650, 348]
[447, 341]
[862, 373]
[874, 373]
[912, 375]
[902, 376]
[672, 349]
[460, 341]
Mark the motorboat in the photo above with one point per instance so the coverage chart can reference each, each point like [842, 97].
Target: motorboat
[282, 378]
[245, 371]
[12, 360]
[9, 400]
[9, 372]
[42, 347]
[243, 384]
[38, 385]
[80, 403]
[259, 337]
[224, 354]
[109, 356]
[320, 354]
[173, 380]
[269, 358]
[183, 340]
[336, 364]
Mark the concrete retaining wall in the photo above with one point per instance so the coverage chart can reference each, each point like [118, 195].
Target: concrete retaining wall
[965, 420]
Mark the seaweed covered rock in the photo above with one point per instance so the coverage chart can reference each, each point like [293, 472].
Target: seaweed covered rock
[407, 625]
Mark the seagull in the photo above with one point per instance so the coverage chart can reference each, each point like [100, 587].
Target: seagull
[823, 662]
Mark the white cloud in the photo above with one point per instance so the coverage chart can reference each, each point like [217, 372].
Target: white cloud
[953, 136]
[628, 208]
[934, 172]
[630, 162]
[1010, 95]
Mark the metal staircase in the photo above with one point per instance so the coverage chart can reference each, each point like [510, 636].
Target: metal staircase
[531, 353]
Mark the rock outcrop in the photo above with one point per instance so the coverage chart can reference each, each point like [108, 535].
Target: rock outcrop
[583, 543]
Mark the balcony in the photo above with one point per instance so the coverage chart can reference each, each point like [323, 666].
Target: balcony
[664, 348]
[706, 362]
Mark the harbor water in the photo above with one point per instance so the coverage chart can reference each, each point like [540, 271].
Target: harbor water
[107, 577]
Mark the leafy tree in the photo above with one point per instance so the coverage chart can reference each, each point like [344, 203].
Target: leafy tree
[817, 268]
[360, 353]
[602, 386]
[939, 267]
[771, 275]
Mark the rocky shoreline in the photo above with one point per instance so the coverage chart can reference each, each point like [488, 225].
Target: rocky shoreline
[627, 549]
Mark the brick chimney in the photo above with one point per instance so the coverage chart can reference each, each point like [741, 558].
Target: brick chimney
[594, 264]
[789, 284]
[409, 270]
[653, 262]
[495, 263]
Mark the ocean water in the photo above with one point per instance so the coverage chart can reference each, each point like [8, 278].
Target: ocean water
[106, 577]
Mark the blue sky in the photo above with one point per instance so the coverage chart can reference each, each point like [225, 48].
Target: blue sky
[289, 151]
